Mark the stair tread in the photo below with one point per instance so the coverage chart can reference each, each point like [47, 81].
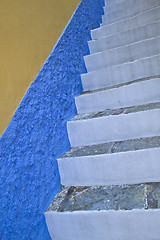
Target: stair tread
[123, 54]
[111, 112]
[124, 46]
[129, 36]
[124, 25]
[114, 147]
[123, 197]
[120, 85]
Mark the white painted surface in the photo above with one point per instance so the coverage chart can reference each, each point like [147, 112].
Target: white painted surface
[114, 128]
[146, 17]
[126, 37]
[122, 73]
[112, 2]
[128, 53]
[130, 95]
[126, 9]
[104, 225]
[131, 167]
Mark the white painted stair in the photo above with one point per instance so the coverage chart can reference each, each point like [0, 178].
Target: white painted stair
[114, 160]
[126, 9]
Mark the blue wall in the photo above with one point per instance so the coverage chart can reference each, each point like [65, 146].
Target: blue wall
[37, 133]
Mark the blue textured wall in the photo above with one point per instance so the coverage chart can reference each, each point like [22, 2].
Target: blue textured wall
[37, 133]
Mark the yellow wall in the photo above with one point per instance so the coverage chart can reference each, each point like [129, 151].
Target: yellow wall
[28, 31]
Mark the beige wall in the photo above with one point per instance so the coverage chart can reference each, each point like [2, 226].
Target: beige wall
[29, 30]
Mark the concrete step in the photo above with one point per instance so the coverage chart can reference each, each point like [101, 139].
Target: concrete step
[144, 32]
[146, 17]
[127, 9]
[115, 125]
[102, 213]
[137, 93]
[122, 74]
[128, 53]
[112, 2]
[123, 167]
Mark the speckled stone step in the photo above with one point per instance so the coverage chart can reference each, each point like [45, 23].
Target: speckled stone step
[100, 213]
[123, 54]
[143, 18]
[127, 9]
[130, 36]
[114, 125]
[138, 70]
[126, 162]
[113, 147]
[123, 96]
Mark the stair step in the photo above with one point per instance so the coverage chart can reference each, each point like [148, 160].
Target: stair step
[112, 2]
[128, 53]
[111, 6]
[124, 96]
[146, 17]
[127, 9]
[124, 73]
[129, 167]
[144, 32]
[113, 147]
[114, 125]
[108, 212]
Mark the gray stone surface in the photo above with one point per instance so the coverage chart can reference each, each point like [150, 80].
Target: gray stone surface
[119, 111]
[113, 147]
[125, 197]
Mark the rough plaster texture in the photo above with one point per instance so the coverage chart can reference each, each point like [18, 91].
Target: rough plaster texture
[37, 134]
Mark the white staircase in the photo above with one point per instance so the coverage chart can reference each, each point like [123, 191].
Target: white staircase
[111, 174]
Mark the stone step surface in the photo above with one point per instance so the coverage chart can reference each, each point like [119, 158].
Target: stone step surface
[143, 18]
[111, 172]
[114, 125]
[106, 212]
[123, 73]
[127, 9]
[111, 169]
[144, 32]
[123, 96]
[128, 53]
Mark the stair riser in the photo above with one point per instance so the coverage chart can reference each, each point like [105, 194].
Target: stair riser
[111, 169]
[135, 94]
[123, 54]
[96, 225]
[133, 22]
[121, 73]
[114, 128]
[128, 9]
[112, 3]
[119, 5]
[126, 37]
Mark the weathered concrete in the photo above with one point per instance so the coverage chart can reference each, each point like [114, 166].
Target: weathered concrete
[130, 36]
[98, 198]
[112, 7]
[123, 73]
[92, 218]
[114, 128]
[93, 225]
[146, 17]
[128, 53]
[115, 139]
[111, 169]
[118, 111]
[126, 9]
[114, 147]
[125, 96]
